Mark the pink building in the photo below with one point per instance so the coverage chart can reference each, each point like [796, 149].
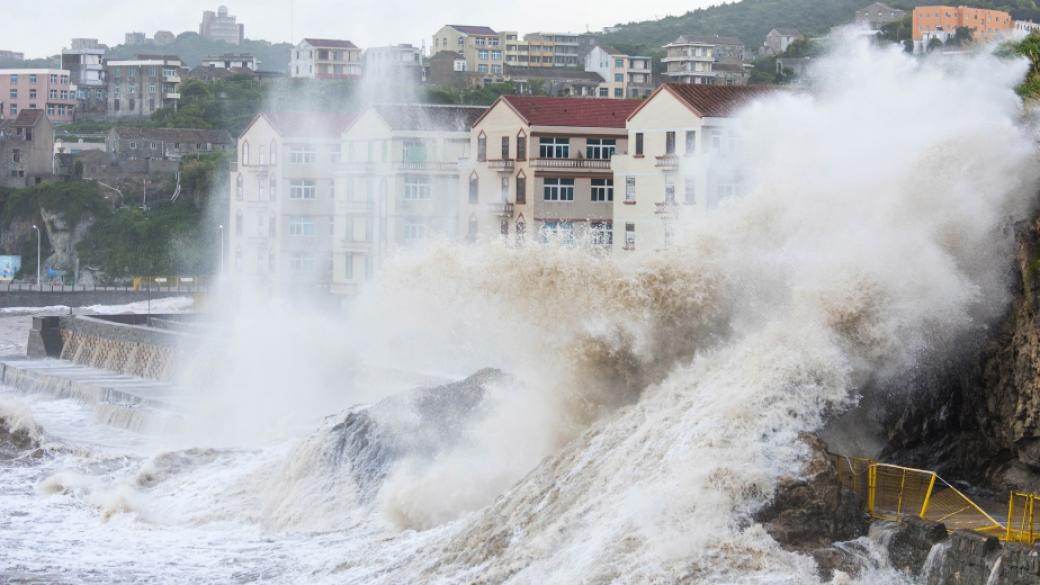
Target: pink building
[37, 89]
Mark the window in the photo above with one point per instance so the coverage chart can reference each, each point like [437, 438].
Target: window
[416, 187]
[32, 94]
[32, 78]
[604, 92]
[245, 153]
[619, 77]
[669, 191]
[505, 148]
[482, 147]
[691, 142]
[669, 142]
[273, 191]
[301, 225]
[554, 148]
[348, 268]
[521, 188]
[473, 188]
[600, 148]
[302, 189]
[558, 190]
[415, 231]
[239, 191]
[521, 146]
[14, 78]
[716, 141]
[300, 154]
[496, 55]
[503, 189]
[471, 229]
[602, 189]
[618, 92]
[16, 155]
[14, 93]
[619, 63]
[482, 55]
[561, 231]
[639, 144]
[301, 262]
[274, 153]
[263, 154]
[630, 236]
[238, 223]
[689, 190]
[601, 233]
[133, 145]
[630, 189]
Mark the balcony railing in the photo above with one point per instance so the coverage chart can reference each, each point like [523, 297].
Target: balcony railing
[668, 162]
[427, 165]
[501, 165]
[364, 206]
[170, 95]
[588, 164]
[504, 209]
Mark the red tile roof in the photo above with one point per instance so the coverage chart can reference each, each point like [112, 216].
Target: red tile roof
[309, 124]
[717, 101]
[473, 30]
[331, 43]
[576, 112]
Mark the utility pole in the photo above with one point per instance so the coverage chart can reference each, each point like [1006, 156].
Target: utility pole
[145, 205]
[37, 256]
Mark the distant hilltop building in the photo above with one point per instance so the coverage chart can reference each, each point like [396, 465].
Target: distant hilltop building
[164, 37]
[625, 76]
[220, 26]
[85, 63]
[11, 56]
[1027, 26]
[325, 59]
[135, 38]
[942, 22]
[779, 39]
[140, 39]
[705, 60]
[878, 15]
[229, 62]
[139, 87]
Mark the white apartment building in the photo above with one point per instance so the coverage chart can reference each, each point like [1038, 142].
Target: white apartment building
[679, 161]
[325, 59]
[398, 184]
[710, 60]
[282, 199]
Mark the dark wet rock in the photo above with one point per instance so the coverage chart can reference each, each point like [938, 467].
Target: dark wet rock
[18, 437]
[910, 541]
[812, 510]
[419, 423]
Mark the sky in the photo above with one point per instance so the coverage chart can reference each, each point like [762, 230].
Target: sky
[366, 22]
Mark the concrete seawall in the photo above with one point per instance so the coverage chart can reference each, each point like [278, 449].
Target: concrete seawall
[81, 298]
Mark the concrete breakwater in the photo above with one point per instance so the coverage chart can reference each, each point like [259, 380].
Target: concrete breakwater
[82, 297]
[144, 346]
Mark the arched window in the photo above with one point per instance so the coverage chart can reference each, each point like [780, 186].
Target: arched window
[274, 152]
[482, 147]
[239, 188]
[521, 145]
[272, 231]
[245, 153]
[521, 188]
[238, 223]
[263, 154]
[471, 231]
[474, 188]
[273, 188]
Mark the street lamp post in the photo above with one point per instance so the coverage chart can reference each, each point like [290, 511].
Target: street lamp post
[37, 256]
[221, 227]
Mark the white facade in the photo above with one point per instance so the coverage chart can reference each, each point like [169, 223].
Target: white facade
[325, 59]
[679, 164]
[231, 62]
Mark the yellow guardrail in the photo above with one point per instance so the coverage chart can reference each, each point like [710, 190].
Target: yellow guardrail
[893, 492]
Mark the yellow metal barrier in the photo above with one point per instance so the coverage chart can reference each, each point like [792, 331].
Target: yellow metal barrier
[1022, 521]
[892, 492]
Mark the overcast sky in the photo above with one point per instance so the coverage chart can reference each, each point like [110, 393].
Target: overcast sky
[366, 22]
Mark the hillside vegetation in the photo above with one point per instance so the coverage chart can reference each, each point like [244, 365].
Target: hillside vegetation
[191, 48]
[751, 20]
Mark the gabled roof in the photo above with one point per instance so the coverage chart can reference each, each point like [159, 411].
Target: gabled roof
[567, 111]
[706, 40]
[307, 124]
[713, 101]
[186, 135]
[473, 30]
[559, 73]
[339, 44]
[28, 117]
[429, 117]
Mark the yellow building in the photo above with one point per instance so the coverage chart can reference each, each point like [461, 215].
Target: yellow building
[680, 160]
[482, 47]
[624, 76]
[542, 166]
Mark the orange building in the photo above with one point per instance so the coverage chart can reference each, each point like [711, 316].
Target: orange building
[941, 21]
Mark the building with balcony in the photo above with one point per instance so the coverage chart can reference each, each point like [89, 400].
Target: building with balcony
[942, 22]
[138, 87]
[541, 167]
[680, 160]
[128, 143]
[398, 185]
[878, 14]
[220, 26]
[282, 197]
[325, 59]
[696, 60]
[26, 149]
[50, 90]
[84, 61]
[481, 47]
[624, 76]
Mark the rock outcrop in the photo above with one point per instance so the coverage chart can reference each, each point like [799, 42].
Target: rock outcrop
[977, 416]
